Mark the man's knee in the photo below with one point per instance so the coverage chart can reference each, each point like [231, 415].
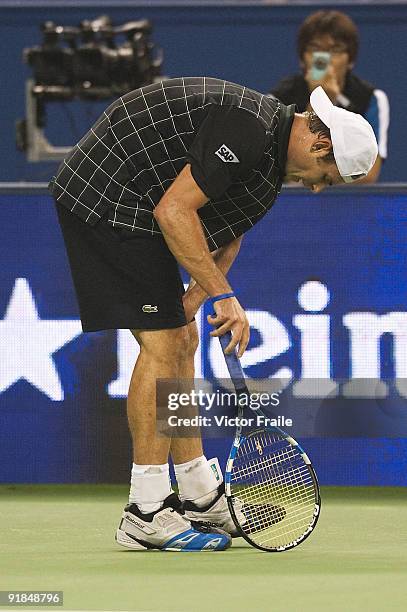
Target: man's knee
[168, 345]
[193, 341]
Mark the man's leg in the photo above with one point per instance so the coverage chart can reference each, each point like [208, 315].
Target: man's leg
[187, 449]
[200, 482]
[196, 477]
[163, 354]
[149, 521]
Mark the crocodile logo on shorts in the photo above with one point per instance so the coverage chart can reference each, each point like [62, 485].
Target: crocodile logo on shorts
[149, 308]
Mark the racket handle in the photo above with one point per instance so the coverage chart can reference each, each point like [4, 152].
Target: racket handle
[224, 341]
[232, 362]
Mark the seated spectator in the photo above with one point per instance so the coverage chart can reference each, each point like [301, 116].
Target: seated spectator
[335, 33]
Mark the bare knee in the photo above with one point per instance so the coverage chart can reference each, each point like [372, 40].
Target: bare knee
[169, 346]
[193, 341]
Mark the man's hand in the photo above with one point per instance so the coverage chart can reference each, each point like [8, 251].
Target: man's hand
[230, 316]
[329, 82]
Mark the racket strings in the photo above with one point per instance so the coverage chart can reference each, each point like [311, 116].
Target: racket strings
[298, 485]
[297, 477]
[258, 477]
[274, 490]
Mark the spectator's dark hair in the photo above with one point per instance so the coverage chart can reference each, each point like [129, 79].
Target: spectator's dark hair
[316, 126]
[336, 24]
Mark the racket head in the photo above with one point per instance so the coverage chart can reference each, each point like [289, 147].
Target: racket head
[272, 490]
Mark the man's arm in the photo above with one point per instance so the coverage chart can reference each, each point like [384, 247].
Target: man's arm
[373, 175]
[177, 216]
[224, 257]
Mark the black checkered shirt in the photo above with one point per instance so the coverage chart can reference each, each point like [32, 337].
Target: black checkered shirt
[124, 164]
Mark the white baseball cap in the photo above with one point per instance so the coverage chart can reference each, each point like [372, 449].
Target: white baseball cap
[353, 139]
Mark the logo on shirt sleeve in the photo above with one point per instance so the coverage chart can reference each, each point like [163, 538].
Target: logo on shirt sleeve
[226, 155]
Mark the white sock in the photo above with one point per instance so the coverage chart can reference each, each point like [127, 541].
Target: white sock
[198, 481]
[150, 486]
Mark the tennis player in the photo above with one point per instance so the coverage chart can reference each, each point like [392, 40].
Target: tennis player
[175, 173]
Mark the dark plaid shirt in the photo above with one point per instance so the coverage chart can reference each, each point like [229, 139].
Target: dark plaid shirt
[235, 139]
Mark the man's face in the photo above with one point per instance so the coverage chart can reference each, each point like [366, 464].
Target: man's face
[315, 173]
[340, 62]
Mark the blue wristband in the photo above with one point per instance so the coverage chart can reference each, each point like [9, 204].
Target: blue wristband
[223, 296]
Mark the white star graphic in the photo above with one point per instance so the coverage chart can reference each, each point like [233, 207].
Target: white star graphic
[27, 343]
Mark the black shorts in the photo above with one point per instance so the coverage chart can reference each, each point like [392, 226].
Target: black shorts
[122, 280]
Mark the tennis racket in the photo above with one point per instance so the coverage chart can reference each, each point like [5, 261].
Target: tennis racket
[271, 487]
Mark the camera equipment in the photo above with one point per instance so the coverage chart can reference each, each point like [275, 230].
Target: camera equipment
[93, 61]
[320, 63]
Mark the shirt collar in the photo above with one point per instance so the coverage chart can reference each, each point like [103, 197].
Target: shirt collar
[283, 133]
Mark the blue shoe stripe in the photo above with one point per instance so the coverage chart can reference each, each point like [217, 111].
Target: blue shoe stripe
[192, 540]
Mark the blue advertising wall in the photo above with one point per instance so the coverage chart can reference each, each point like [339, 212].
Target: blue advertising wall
[246, 42]
[323, 280]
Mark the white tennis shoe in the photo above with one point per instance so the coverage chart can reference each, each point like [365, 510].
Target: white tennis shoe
[168, 529]
[216, 513]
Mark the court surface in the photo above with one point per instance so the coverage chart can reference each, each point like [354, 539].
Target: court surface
[60, 537]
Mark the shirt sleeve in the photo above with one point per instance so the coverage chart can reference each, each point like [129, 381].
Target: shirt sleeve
[378, 115]
[229, 143]
[292, 90]
[283, 91]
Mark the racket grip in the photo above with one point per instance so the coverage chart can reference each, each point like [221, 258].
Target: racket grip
[224, 341]
[232, 363]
